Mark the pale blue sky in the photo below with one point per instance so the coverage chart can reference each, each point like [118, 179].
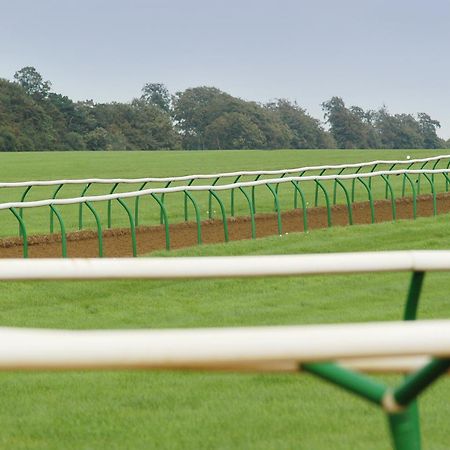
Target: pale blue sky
[368, 52]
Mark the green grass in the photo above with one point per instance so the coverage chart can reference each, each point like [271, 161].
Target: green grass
[60, 165]
[140, 410]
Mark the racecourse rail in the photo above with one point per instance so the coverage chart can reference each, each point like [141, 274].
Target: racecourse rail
[158, 194]
[336, 353]
[217, 177]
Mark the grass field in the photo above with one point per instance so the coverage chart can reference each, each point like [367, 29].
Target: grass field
[140, 410]
[60, 165]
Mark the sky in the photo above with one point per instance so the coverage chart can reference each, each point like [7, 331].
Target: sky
[370, 53]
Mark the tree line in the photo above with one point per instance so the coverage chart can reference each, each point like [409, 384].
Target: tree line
[34, 118]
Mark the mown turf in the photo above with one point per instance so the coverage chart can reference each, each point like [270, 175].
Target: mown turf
[61, 165]
[116, 410]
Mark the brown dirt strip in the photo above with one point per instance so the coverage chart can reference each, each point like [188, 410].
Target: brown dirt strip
[117, 242]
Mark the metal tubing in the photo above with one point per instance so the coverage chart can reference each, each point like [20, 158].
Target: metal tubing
[386, 190]
[393, 205]
[22, 199]
[353, 184]
[296, 192]
[23, 232]
[55, 193]
[110, 205]
[369, 192]
[335, 186]
[372, 170]
[80, 207]
[276, 190]
[253, 194]
[210, 215]
[63, 231]
[316, 193]
[165, 217]
[412, 301]
[433, 192]
[186, 214]
[99, 228]
[197, 215]
[136, 205]
[355, 382]
[132, 226]
[252, 214]
[277, 207]
[161, 218]
[413, 189]
[405, 430]
[224, 215]
[418, 177]
[347, 199]
[327, 200]
[232, 196]
[304, 208]
[404, 180]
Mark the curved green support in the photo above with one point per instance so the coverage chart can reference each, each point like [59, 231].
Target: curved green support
[23, 231]
[276, 190]
[165, 218]
[224, 214]
[447, 181]
[335, 186]
[277, 207]
[393, 205]
[80, 206]
[99, 228]
[186, 215]
[419, 177]
[22, 199]
[110, 205]
[353, 184]
[316, 194]
[371, 171]
[161, 216]
[55, 193]
[136, 204]
[132, 226]
[252, 214]
[347, 199]
[369, 193]
[413, 189]
[253, 193]
[434, 167]
[304, 207]
[296, 192]
[327, 200]
[210, 199]
[232, 196]
[188, 195]
[386, 193]
[63, 231]
[404, 181]
[433, 192]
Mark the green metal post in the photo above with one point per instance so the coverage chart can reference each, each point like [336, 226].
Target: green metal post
[224, 215]
[210, 215]
[63, 231]
[316, 193]
[253, 193]
[99, 228]
[186, 214]
[232, 196]
[386, 190]
[404, 180]
[327, 200]
[197, 215]
[23, 232]
[80, 207]
[433, 193]
[347, 199]
[277, 186]
[393, 205]
[55, 193]
[447, 181]
[370, 171]
[136, 205]
[353, 184]
[412, 301]
[304, 207]
[252, 214]
[161, 218]
[132, 226]
[413, 189]
[165, 218]
[405, 431]
[277, 206]
[22, 199]
[110, 205]
[418, 177]
[369, 192]
[335, 186]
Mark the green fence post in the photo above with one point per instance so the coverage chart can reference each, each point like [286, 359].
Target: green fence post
[327, 200]
[232, 196]
[393, 205]
[63, 231]
[419, 177]
[110, 205]
[447, 182]
[23, 232]
[22, 199]
[55, 193]
[353, 184]
[224, 215]
[347, 199]
[316, 193]
[413, 189]
[253, 193]
[304, 207]
[433, 193]
[405, 431]
[80, 207]
[132, 226]
[277, 207]
[434, 167]
[335, 186]
[252, 214]
[161, 218]
[99, 228]
[371, 171]
[188, 195]
[136, 204]
[276, 190]
[386, 190]
[404, 180]
[210, 214]
[296, 192]
[369, 192]
[165, 219]
[186, 215]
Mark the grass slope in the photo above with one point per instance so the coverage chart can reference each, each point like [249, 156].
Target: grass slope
[139, 410]
[61, 165]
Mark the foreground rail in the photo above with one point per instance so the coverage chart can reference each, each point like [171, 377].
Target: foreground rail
[336, 353]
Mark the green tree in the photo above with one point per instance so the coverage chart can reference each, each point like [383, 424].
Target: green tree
[156, 94]
[33, 83]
